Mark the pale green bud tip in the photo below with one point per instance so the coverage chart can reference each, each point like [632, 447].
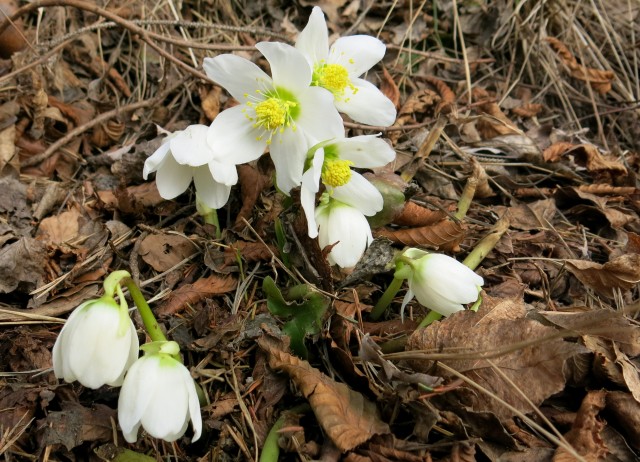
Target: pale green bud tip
[112, 281]
[161, 347]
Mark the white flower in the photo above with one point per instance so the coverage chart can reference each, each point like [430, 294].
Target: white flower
[332, 162]
[346, 227]
[96, 345]
[338, 70]
[283, 112]
[159, 394]
[439, 282]
[188, 155]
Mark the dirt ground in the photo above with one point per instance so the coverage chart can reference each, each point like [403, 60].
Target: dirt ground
[530, 108]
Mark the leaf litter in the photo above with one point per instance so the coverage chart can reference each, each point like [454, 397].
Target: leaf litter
[533, 105]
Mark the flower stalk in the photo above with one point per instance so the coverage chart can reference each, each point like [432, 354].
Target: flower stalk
[150, 324]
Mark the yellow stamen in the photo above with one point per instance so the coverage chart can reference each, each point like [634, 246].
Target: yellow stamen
[271, 113]
[333, 77]
[336, 172]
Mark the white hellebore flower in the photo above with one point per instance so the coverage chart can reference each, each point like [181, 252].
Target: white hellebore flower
[159, 394]
[346, 227]
[98, 342]
[439, 282]
[188, 155]
[283, 112]
[338, 70]
[331, 164]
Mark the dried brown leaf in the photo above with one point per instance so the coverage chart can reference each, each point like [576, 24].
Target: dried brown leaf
[60, 228]
[626, 411]
[585, 435]
[249, 252]
[535, 370]
[252, 183]
[621, 273]
[163, 251]
[189, 294]
[599, 80]
[497, 123]
[527, 110]
[389, 88]
[22, 265]
[347, 417]
[585, 155]
[415, 215]
[75, 424]
[605, 189]
[447, 96]
[445, 235]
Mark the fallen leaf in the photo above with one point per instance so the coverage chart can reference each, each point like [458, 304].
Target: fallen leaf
[347, 417]
[61, 228]
[444, 235]
[626, 411]
[535, 370]
[415, 215]
[622, 273]
[164, 251]
[584, 155]
[585, 435]
[189, 294]
[22, 265]
[389, 88]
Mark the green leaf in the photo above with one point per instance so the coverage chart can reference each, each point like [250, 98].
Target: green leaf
[302, 306]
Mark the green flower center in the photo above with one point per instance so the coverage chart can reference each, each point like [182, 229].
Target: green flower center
[336, 172]
[272, 111]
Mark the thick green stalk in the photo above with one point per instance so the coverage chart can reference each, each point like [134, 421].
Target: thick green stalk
[387, 297]
[270, 449]
[429, 319]
[211, 218]
[149, 320]
[486, 245]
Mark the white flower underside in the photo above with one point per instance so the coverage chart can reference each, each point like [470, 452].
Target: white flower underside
[346, 225]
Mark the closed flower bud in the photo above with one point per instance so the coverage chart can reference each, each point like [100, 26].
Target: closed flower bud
[97, 344]
[159, 394]
[439, 282]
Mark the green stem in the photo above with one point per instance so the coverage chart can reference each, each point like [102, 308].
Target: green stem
[466, 198]
[270, 449]
[429, 319]
[149, 320]
[211, 218]
[387, 297]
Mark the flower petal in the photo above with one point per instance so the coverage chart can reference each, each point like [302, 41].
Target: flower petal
[173, 179]
[350, 229]
[367, 105]
[194, 406]
[360, 194]
[318, 115]
[190, 146]
[237, 75]
[233, 138]
[212, 193]
[154, 161]
[223, 172]
[289, 68]
[427, 296]
[313, 41]
[365, 151]
[288, 153]
[135, 396]
[357, 53]
[310, 186]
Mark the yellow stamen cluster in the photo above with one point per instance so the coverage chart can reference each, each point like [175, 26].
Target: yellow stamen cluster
[333, 77]
[336, 172]
[272, 113]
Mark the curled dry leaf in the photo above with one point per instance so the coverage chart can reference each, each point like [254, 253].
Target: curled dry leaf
[419, 102]
[533, 368]
[252, 183]
[188, 294]
[584, 435]
[347, 417]
[445, 235]
[249, 252]
[389, 88]
[413, 215]
[626, 411]
[585, 155]
[497, 123]
[621, 273]
[447, 96]
[599, 80]
[527, 110]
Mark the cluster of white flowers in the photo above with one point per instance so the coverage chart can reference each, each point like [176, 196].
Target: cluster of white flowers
[98, 345]
[294, 113]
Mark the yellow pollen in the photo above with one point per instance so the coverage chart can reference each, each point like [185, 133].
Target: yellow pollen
[271, 113]
[336, 172]
[333, 77]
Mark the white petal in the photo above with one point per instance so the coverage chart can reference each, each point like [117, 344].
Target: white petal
[223, 172]
[136, 395]
[405, 301]
[318, 115]
[237, 75]
[212, 193]
[310, 186]
[428, 297]
[350, 229]
[367, 105]
[365, 151]
[190, 146]
[360, 194]
[289, 68]
[172, 179]
[357, 53]
[288, 153]
[233, 138]
[194, 406]
[313, 41]
[154, 161]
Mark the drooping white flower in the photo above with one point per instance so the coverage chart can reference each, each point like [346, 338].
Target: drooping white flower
[97, 344]
[345, 226]
[439, 282]
[338, 69]
[188, 155]
[283, 112]
[331, 164]
[159, 394]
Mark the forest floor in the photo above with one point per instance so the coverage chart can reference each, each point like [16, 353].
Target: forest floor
[532, 107]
